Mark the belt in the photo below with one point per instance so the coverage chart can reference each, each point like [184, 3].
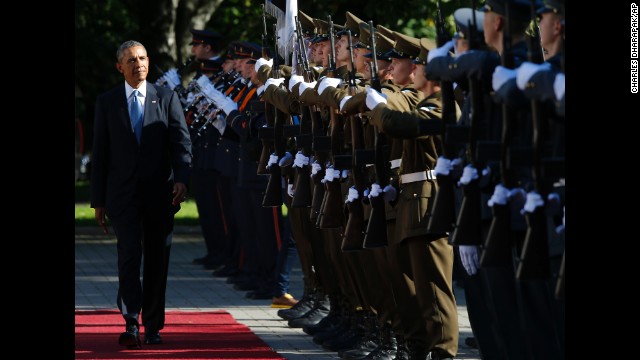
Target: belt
[395, 163]
[417, 176]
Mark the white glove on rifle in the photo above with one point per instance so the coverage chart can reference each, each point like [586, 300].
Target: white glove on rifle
[315, 167]
[441, 51]
[294, 80]
[305, 85]
[328, 82]
[227, 105]
[272, 81]
[353, 194]
[172, 77]
[374, 98]
[375, 190]
[263, 61]
[501, 75]
[273, 159]
[290, 190]
[220, 124]
[469, 257]
[525, 71]
[443, 166]
[301, 160]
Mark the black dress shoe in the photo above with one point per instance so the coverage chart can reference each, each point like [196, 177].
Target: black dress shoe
[130, 337]
[152, 338]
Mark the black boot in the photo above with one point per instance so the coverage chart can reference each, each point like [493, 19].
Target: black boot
[306, 303]
[369, 342]
[330, 321]
[352, 336]
[342, 326]
[439, 355]
[387, 350]
[417, 351]
[319, 311]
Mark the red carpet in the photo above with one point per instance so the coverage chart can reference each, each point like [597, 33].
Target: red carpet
[186, 335]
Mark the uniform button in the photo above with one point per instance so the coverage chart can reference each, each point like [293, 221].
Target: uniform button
[450, 67]
[415, 195]
[226, 150]
[217, 144]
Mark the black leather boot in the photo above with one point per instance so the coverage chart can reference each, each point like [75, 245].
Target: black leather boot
[368, 343]
[331, 321]
[352, 336]
[387, 350]
[319, 311]
[417, 351]
[306, 303]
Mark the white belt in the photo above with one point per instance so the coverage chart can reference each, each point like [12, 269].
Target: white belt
[417, 176]
[395, 163]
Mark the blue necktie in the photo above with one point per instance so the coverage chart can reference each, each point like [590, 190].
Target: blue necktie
[135, 112]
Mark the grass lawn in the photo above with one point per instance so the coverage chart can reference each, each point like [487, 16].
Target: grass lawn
[187, 216]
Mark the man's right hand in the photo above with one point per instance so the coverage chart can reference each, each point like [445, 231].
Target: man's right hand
[100, 219]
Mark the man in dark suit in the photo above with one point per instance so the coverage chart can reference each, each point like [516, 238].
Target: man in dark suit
[141, 158]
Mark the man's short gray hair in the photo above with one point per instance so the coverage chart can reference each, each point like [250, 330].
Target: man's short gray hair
[125, 45]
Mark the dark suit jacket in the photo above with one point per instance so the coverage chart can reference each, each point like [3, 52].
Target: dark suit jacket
[125, 173]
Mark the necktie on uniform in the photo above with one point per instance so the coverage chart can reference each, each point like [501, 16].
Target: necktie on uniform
[135, 112]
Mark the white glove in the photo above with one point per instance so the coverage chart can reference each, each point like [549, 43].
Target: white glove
[272, 81]
[468, 173]
[389, 193]
[326, 82]
[558, 86]
[469, 257]
[273, 159]
[220, 124]
[534, 200]
[560, 228]
[290, 189]
[330, 175]
[374, 98]
[172, 77]
[294, 80]
[353, 194]
[260, 90]
[305, 85]
[440, 52]
[525, 71]
[286, 160]
[190, 97]
[214, 94]
[500, 196]
[263, 61]
[375, 190]
[344, 101]
[345, 174]
[501, 75]
[301, 160]
[315, 167]
[203, 81]
[443, 166]
[227, 105]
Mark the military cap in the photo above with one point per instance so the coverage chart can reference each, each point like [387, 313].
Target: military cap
[353, 24]
[406, 47]
[247, 50]
[383, 47]
[211, 65]
[205, 37]
[555, 6]
[518, 9]
[364, 41]
[322, 30]
[306, 23]
[463, 18]
[385, 31]
[425, 46]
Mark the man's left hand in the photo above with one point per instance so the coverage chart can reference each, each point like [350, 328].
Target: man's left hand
[179, 193]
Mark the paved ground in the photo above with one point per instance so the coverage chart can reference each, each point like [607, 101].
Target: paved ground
[191, 288]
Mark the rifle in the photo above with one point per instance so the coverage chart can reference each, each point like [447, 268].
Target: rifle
[498, 243]
[269, 109]
[468, 229]
[534, 258]
[353, 236]
[273, 193]
[302, 187]
[443, 212]
[331, 215]
[376, 232]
